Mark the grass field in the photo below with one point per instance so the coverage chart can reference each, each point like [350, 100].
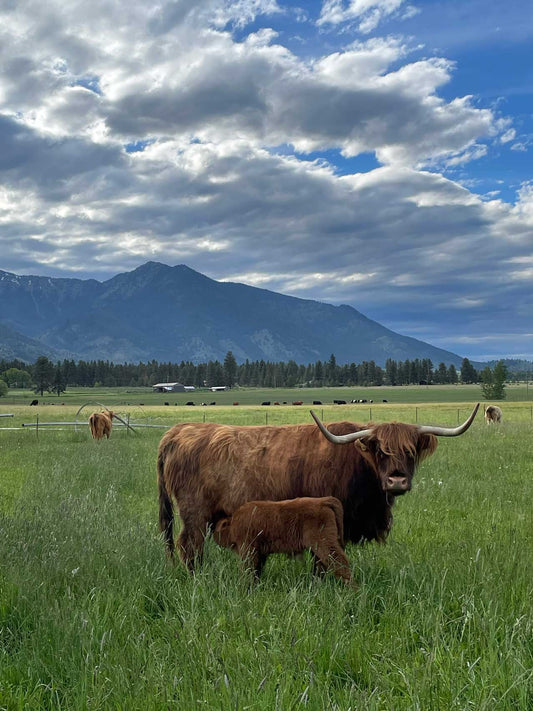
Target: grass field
[92, 616]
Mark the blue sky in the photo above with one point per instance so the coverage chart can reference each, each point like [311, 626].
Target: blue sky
[369, 152]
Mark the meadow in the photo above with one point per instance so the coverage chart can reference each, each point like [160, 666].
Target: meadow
[93, 617]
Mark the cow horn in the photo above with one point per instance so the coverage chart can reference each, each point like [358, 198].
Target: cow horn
[449, 431]
[424, 429]
[339, 439]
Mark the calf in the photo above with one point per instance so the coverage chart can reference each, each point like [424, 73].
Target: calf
[259, 528]
[101, 424]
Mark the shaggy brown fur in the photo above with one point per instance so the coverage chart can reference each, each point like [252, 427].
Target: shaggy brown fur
[101, 424]
[260, 528]
[210, 470]
[493, 414]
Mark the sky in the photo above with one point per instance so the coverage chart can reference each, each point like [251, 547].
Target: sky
[375, 153]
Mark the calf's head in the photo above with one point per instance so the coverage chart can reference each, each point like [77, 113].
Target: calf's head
[395, 448]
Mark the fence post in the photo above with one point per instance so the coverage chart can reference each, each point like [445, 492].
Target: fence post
[457, 415]
[416, 415]
[370, 417]
[37, 427]
[266, 417]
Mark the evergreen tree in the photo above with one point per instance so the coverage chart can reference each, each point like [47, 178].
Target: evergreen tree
[453, 378]
[43, 374]
[468, 372]
[230, 369]
[58, 383]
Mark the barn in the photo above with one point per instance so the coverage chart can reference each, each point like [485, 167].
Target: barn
[169, 388]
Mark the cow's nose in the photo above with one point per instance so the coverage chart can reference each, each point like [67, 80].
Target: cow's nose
[398, 484]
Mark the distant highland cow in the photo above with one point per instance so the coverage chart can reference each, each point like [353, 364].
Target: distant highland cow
[493, 414]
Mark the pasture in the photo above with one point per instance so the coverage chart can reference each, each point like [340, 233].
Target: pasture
[93, 617]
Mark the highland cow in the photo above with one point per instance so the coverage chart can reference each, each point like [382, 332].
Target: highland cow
[259, 528]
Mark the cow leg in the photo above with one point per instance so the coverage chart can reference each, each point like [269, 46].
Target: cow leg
[253, 559]
[191, 539]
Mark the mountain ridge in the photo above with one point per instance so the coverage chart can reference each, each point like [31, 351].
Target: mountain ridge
[164, 313]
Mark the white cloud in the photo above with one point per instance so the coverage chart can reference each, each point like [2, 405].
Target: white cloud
[367, 14]
[82, 80]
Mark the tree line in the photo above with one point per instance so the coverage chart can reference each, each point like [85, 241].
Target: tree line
[45, 375]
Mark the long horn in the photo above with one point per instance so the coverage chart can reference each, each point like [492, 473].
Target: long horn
[450, 431]
[339, 439]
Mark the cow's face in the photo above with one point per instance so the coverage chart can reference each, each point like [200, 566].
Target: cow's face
[396, 452]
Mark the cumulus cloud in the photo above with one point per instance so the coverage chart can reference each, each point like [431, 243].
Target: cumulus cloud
[131, 132]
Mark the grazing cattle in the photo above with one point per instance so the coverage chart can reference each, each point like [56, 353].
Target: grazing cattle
[493, 414]
[385, 401]
[276, 403]
[317, 402]
[190, 403]
[339, 402]
[297, 402]
[34, 402]
[210, 470]
[101, 424]
[212, 403]
[166, 403]
[235, 403]
[259, 528]
[265, 403]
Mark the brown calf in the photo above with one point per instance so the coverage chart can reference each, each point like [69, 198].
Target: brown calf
[101, 424]
[259, 528]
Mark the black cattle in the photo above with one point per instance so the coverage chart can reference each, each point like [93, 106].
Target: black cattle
[339, 402]
[190, 402]
[34, 402]
[317, 402]
[265, 403]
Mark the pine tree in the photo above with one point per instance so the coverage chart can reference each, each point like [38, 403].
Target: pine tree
[230, 369]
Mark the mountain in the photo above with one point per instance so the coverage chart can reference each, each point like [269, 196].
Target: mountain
[175, 313]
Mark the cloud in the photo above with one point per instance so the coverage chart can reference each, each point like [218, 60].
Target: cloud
[367, 14]
[131, 132]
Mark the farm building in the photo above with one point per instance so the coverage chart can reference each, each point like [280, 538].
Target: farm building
[171, 388]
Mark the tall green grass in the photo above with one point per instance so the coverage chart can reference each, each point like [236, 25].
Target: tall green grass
[93, 617]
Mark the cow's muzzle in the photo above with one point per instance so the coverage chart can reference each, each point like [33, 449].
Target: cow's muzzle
[397, 485]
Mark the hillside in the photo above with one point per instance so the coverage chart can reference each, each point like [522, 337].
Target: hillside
[175, 313]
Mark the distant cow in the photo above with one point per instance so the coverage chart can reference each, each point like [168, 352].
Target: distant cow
[34, 402]
[101, 424]
[213, 403]
[190, 402]
[235, 403]
[493, 414]
[265, 403]
[297, 402]
[385, 401]
[276, 403]
[317, 402]
[259, 528]
[339, 402]
[166, 403]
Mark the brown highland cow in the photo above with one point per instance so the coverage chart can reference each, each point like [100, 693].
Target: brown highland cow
[259, 528]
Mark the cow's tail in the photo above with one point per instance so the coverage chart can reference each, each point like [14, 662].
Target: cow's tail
[166, 509]
[338, 510]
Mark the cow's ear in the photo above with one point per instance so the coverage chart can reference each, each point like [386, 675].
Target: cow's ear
[223, 524]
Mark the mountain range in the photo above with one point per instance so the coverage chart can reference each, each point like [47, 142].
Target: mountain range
[170, 314]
